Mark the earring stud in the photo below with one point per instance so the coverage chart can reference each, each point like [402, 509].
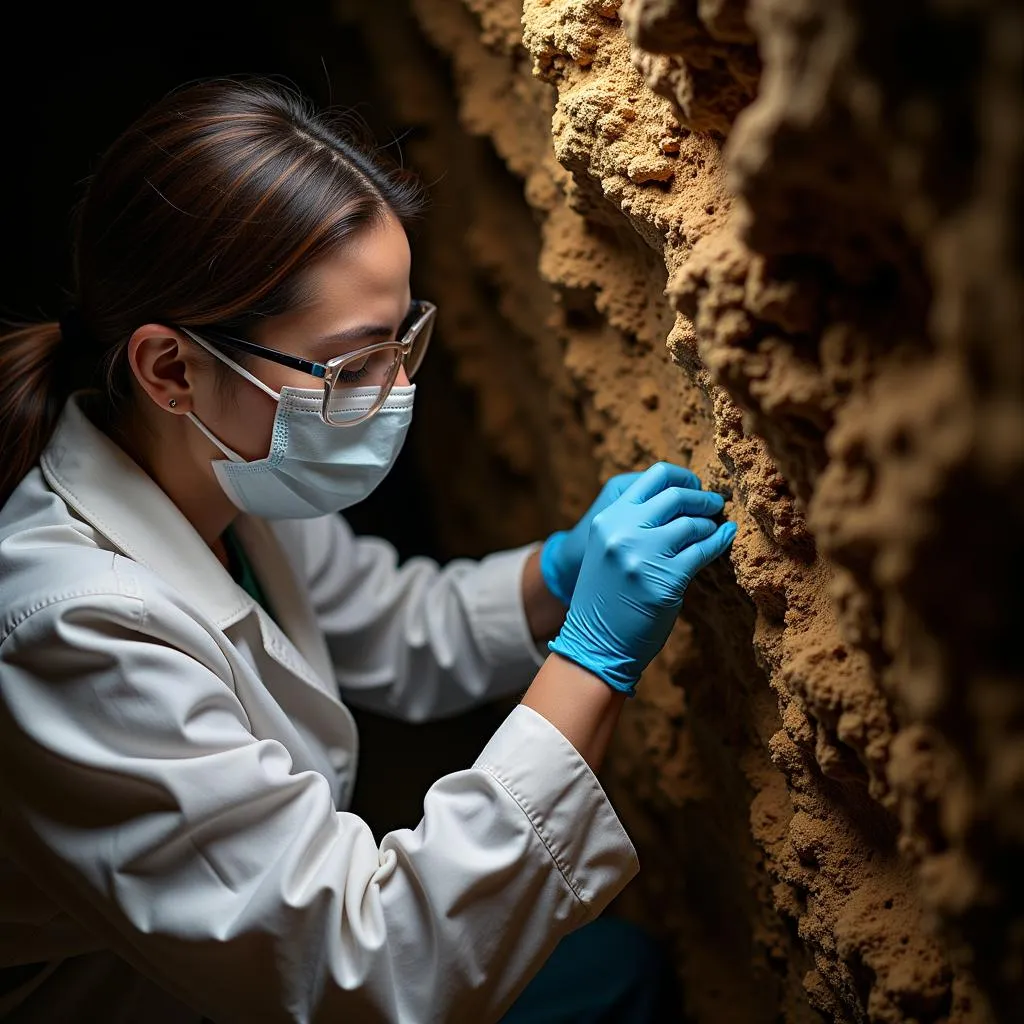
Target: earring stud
[173, 403]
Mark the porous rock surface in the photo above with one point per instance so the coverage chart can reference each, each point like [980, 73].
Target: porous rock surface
[778, 241]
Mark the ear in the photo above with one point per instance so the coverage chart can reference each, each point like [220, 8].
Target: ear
[164, 364]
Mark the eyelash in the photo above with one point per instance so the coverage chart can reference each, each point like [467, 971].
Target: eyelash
[350, 376]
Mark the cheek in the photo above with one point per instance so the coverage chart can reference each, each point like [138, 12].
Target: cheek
[245, 421]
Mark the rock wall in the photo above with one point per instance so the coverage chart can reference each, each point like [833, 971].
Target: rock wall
[778, 241]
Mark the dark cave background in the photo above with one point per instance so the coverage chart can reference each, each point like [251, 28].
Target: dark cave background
[71, 83]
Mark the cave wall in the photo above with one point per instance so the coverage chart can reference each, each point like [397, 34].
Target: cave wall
[778, 241]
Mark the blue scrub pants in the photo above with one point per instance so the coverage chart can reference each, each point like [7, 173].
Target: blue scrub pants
[607, 972]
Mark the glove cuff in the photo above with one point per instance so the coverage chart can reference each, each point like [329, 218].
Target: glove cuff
[593, 664]
[549, 566]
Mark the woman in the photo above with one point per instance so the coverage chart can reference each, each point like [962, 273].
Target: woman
[185, 618]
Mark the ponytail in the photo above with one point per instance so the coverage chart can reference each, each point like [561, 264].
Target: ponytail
[32, 393]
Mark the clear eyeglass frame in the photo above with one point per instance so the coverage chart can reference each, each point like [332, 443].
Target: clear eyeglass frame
[408, 351]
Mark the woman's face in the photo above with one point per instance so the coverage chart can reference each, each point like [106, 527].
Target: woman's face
[353, 298]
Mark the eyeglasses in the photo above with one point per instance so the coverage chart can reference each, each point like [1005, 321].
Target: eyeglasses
[373, 367]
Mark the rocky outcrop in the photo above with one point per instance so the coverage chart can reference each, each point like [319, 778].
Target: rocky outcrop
[778, 241]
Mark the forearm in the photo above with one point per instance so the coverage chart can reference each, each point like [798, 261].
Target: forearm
[583, 708]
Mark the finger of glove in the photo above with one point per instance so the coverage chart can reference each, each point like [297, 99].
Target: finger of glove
[680, 501]
[612, 489]
[618, 484]
[683, 531]
[657, 478]
[694, 557]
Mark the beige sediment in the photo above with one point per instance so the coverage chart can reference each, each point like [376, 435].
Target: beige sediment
[745, 236]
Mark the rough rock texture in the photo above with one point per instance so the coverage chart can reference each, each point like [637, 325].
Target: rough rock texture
[779, 241]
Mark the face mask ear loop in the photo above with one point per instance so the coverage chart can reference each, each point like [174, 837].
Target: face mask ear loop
[234, 366]
[232, 455]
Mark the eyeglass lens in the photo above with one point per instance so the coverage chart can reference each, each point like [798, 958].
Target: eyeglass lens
[377, 370]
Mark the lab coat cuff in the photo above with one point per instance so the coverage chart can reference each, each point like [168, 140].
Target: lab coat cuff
[571, 815]
[494, 597]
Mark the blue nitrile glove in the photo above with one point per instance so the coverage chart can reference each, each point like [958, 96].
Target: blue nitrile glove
[562, 553]
[642, 552]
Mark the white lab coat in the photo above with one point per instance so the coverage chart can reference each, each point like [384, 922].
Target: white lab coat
[175, 768]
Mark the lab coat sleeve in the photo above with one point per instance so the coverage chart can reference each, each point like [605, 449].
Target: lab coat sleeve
[418, 641]
[136, 795]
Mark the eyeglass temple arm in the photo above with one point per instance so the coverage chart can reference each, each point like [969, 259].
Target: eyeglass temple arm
[295, 362]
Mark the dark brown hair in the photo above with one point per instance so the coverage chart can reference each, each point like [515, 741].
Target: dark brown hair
[202, 213]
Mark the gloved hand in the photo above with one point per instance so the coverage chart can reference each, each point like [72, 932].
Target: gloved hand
[642, 551]
[562, 553]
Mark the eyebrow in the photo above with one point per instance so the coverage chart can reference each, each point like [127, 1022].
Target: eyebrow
[355, 333]
[364, 331]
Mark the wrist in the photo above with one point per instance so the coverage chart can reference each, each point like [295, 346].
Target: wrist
[545, 613]
[578, 704]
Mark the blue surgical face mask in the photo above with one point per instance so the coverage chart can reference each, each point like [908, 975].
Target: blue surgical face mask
[313, 468]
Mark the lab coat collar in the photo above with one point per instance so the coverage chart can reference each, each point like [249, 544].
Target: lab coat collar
[111, 492]
[294, 616]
